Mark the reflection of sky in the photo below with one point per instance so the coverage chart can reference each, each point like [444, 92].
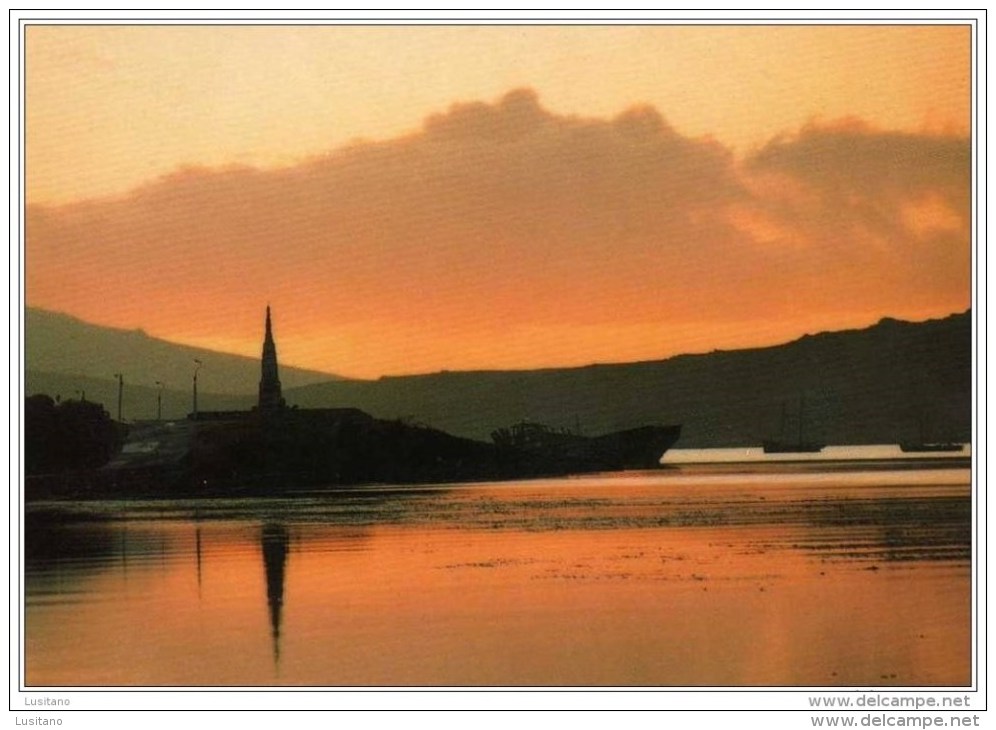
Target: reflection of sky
[586, 584]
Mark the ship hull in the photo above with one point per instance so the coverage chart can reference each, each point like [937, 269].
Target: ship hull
[636, 448]
[533, 449]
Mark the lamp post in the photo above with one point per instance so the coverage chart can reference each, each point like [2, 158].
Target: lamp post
[198, 364]
[120, 378]
[159, 401]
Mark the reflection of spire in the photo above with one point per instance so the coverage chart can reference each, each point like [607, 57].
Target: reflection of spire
[124, 551]
[198, 536]
[275, 540]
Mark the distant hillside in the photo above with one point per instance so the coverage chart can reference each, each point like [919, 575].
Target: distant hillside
[139, 402]
[62, 345]
[890, 382]
[893, 381]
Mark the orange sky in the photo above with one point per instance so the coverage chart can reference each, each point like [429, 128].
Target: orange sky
[420, 198]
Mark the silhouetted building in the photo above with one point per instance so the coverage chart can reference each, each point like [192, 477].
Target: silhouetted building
[269, 386]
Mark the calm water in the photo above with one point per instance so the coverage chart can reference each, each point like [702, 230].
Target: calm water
[747, 575]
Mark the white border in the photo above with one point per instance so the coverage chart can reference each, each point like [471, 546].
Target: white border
[780, 708]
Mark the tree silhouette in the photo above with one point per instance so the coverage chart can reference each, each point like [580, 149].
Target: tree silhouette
[69, 435]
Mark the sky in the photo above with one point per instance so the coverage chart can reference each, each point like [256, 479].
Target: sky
[413, 199]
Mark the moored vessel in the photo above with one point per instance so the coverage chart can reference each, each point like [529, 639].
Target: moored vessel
[799, 445]
[563, 451]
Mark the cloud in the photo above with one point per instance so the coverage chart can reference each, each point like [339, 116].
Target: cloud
[891, 209]
[870, 175]
[498, 219]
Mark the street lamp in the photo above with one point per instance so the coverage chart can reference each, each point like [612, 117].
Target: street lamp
[159, 401]
[120, 378]
[198, 363]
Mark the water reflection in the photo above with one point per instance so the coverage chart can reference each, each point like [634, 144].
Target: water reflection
[664, 579]
[51, 536]
[197, 543]
[275, 540]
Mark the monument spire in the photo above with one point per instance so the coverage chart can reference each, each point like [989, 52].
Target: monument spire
[270, 398]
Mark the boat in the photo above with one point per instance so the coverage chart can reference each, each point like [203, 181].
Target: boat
[922, 445]
[917, 447]
[799, 445]
[537, 447]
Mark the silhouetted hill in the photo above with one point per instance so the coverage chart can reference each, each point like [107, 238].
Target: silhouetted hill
[64, 355]
[889, 382]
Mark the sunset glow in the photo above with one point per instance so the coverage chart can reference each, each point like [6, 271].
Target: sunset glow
[410, 199]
